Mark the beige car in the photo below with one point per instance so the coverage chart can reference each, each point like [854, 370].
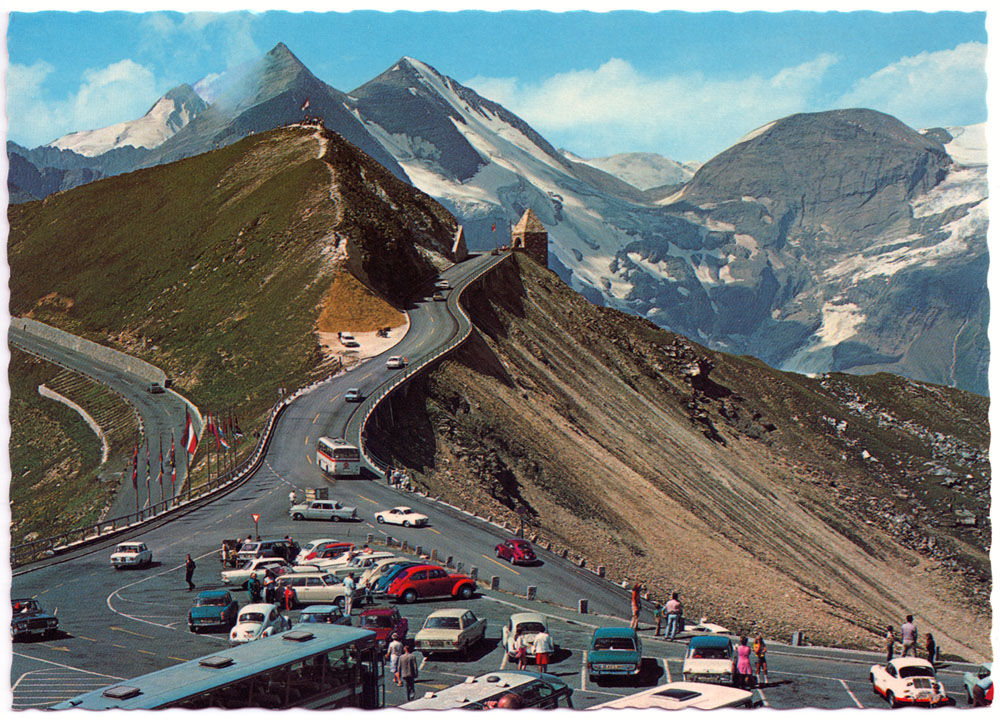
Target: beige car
[315, 588]
[450, 630]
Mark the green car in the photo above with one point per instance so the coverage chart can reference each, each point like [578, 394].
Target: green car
[212, 609]
[614, 652]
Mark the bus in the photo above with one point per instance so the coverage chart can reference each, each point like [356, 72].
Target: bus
[681, 695]
[337, 457]
[526, 689]
[309, 666]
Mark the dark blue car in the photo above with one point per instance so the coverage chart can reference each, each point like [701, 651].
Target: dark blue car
[213, 609]
[379, 588]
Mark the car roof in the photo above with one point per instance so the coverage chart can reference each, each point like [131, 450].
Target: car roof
[213, 593]
[614, 632]
[901, 662]
[258, 607]
[131, 542]
[425, 566]
[521, 617]
[449, 612]
[321, 609]
[710, 641]
[381, 610]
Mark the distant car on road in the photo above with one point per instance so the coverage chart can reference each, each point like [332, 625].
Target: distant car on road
[438, 296]
[131, 554]
[155, 388]
[971, 679]
[256, 621]
[450, 630]
[424, 581]
[402, 515]
[907, 681]
[516, 551]
[384, 621]
[354, 395]
[212, 608]
[396, 361]
[710, 658]
[323, 510]
[525, 625]
[442, 285]
[328, 614]
[614, 652]
[29, 619]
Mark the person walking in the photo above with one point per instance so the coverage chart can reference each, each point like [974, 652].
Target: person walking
[392, 653]
[291, 497]
[408, 670]
[743, 669]
[189, 567]
[674, 612]
[636, 605]
[349, 585]
[890, 644]
[909, 637]
[253, 586]
[760, 650]
[931, 648]
[542, 648]
[225, 554]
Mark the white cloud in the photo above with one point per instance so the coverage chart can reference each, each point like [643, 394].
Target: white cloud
[615, 108]
[177, 39]
[947, 87]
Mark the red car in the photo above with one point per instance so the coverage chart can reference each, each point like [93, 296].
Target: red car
[330, 551]
[516, 551]
[423, 581]
[384, 621]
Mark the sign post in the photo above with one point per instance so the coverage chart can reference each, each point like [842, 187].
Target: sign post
[256, 517]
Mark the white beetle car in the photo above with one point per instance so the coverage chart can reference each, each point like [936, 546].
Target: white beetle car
[908, 681]
[257, 621]
[131, 554]
[527, 625]
[402, 516]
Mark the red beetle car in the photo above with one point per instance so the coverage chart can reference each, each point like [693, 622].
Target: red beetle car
[384, 621]
[516, 551]
[423, 581]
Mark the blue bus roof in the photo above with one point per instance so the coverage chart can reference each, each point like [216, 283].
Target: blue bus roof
[174, 683]
[605, 632]
[710, 641]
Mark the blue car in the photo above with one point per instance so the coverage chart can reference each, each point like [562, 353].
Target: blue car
[381, 586]
[329, 614]
[614, 652]
[213, 609]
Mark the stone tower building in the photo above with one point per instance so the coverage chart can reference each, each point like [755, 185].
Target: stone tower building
[529, 236]
[459, 250]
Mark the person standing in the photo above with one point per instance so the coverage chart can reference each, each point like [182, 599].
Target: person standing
[674, 612]
[289, 597]
[291, 497]
[743, 669]
[253, 587]
[269, 589]
[931, 649]
[542, 647]
[658, 611]
[225, 554]
[909, 636]
[189, 567]
[760, 650]
[890, 643]
[636, 605]
[520, 652]
[408, 670]
[392, 653]
[349, 585]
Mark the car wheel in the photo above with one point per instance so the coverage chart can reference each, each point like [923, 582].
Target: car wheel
[409, 596]
[379, 519]
[335, 518]
[340, 602]
[298, 516]
[891, 699]
[465, 592]
[192, 628]
[406, 523]
[499, 554]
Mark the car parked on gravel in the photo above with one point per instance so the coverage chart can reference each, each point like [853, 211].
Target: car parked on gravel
[402, 515]
[29, 619]
[323, 510]
[327, 614]
[256, 567]
[711, 659]
[908, 681]
[971, 679]
[384, 621]
[256, 621]
[525, 625]
[516, 551]
[213, 609]
[614, 652]
[450, 630]
[427, 581]
[131, 554]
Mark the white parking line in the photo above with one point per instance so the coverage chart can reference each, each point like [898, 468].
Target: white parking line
[666, 669]
[763, 699]
[583, 672]
[853, 696]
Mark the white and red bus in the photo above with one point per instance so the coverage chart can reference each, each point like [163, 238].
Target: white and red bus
[336, 456]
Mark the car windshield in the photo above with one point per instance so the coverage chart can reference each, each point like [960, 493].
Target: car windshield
[376, 621]
[327, 617]
[212, 600]
[25, 606]
[916, 671]
[130, 549]
[252, 617]
[530, 627]
[445, 623]
[614, 643]
[710, 653]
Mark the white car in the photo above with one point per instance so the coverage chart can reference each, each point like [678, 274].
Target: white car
[257, 567]
[527, 625]
[450, 630]
[313, 546]
[353, 395]
[711, 659]
[396, 361]
[358, 564]
[257, 621]
[314, 587]
[442, 285]
[402, 515]
[131, 554]
[323, 510]
[908, 681]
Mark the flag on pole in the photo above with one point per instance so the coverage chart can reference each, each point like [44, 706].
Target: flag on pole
[189, 439]
[494, 229]
[160, 476]
[223, 431]
[214, 430]
[135, 467]
[172, 457]
[237, 433]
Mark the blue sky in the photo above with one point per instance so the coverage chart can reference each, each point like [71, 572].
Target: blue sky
[686, 85]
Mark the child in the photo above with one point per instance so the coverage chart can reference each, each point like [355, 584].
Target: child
[760, 650]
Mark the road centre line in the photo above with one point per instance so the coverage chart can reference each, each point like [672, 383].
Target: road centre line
[500, 564]
[762, 698]
[368, 499]
[315, 419]
[434, 531]
[173, 657]
[130, 632]
[853, 696]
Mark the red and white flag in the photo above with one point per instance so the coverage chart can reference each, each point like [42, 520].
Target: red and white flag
[189, 440]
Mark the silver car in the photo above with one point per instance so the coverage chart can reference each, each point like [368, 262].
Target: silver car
[323, 510]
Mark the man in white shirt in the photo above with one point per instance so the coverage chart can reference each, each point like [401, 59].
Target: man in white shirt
[349, 598]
